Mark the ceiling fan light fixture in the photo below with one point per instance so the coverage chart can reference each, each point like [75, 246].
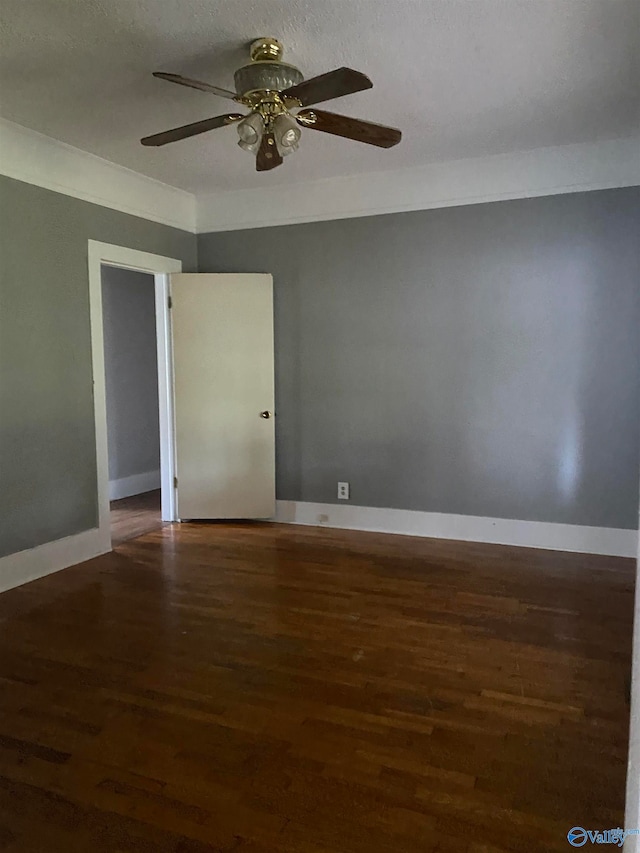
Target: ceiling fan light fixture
[270, 89]
[287, 133]
[250, 131]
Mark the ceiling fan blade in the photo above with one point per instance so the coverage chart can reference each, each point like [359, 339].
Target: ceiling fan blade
[350, 128]
[268, 156]
[188, 130]
[333, 84]
[195, 84]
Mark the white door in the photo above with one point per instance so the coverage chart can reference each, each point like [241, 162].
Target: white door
[222, 328]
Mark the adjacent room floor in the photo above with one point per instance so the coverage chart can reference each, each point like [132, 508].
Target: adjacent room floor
[272, 689]
[131, 517]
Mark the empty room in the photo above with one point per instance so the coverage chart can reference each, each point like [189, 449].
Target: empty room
[319, 426]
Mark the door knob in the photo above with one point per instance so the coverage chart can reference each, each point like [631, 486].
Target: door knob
[266, 415]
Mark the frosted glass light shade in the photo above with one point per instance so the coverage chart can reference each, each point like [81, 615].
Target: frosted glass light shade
[250, 131]
[287, 134]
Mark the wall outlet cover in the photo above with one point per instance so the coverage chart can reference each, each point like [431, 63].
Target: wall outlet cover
[343, 491]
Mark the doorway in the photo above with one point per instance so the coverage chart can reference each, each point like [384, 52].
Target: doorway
[124, 266]
[232, 474]
[133, 416]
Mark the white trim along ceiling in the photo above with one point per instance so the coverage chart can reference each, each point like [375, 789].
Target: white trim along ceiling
[36, 159]
[30, 157]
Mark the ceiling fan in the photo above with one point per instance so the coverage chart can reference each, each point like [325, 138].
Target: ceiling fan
[272, 90]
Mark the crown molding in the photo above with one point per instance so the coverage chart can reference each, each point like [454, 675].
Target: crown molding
[541, 171]
[36, 159]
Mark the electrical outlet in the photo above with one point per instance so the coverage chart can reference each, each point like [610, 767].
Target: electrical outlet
[343, 491]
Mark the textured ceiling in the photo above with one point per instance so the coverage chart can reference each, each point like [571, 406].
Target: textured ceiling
[461, 78]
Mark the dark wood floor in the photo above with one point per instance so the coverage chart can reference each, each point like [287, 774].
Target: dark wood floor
[271, 689]
[131, 517]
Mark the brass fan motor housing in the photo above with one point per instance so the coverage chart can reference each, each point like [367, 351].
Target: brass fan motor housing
[266, 72]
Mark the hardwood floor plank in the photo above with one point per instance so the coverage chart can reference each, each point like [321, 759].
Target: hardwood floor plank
[135, 516]
[270, 689]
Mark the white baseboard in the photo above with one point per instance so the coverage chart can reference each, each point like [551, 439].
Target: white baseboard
[134, 485]
[468, 528]
[25, 566]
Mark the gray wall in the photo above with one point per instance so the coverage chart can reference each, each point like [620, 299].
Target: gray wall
[47, 433]
[482, 360]
[131, 371]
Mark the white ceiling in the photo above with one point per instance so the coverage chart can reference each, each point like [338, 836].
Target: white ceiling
[461, 78]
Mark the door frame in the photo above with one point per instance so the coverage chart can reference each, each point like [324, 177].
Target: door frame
[100, 254]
